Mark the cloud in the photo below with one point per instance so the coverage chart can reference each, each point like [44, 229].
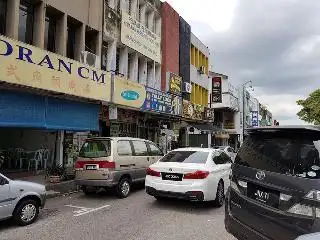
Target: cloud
[274, 43]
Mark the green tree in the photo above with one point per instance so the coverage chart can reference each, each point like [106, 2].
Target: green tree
[310, 111]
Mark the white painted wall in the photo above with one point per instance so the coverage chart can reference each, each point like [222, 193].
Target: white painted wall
[200, 79]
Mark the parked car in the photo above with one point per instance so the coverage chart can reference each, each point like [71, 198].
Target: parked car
[195, 174]
[114, 163]
[275, 184]
[228, 150]
[311, 236]
[20, 200]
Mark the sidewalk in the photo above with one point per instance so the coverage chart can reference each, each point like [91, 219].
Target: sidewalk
[53, 189]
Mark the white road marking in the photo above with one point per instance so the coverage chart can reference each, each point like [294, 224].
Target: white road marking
[84, 210]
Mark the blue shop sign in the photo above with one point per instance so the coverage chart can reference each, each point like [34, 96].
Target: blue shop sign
[162, 102]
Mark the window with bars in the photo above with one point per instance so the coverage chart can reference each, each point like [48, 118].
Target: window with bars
[118, 6]
[118, 60]
[3, 13]
[130, 7]
[104, 55]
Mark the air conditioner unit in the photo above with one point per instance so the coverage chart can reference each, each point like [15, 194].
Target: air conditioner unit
[202, 69]
[89, 59]
[187, 87]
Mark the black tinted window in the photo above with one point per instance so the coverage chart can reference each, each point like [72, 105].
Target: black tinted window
[221, 159]
[286, 152]
[95, 149]
[186, 157]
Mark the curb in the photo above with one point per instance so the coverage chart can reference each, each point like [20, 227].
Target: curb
[52, 194]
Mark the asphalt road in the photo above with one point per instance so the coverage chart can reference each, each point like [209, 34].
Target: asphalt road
[138, 217]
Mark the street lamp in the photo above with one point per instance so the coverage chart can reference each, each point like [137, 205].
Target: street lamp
[243, 105]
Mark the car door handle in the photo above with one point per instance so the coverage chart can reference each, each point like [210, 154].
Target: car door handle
[148, 159]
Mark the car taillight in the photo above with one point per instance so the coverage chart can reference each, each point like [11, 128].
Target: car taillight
[153, 173]
[102, 164]
[197, 175]
[308, 209]
[106, 164]
[78, 165]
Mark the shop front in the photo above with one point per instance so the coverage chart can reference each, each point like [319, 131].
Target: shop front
[43, 98]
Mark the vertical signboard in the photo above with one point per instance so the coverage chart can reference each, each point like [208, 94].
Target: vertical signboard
[254, 119]
[175, 84]
[216, 90]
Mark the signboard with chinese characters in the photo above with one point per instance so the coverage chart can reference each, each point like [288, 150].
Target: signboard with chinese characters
[208, 114]
[216, 90]
[128, 93]
[175, 84]
[30, 66]
[254, 119]
[138, 37]
[193, 111]
[162, 102]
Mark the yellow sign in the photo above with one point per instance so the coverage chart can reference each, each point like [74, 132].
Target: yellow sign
[128, 93]
[32, 67]
[175, 84]
[138, 37]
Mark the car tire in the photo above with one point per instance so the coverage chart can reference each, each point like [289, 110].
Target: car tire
[26, 212]
[159, 198]
[219, 201]
[124, 188]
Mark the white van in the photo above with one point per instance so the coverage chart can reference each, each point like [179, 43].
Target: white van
[114, 163]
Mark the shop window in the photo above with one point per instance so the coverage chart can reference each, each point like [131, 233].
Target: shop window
[140, 148]
[3, 11]
[71, 41]
[124, 148]
[50, 33]
[26, 21]
[154, 150]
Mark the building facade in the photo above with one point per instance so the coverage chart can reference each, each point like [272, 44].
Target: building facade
[50, 98]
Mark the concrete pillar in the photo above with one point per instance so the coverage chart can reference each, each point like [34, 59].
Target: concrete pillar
[143, 70]
[12, 23]
[61, 35]
[151, 21]
[134, 9]
[80, 41]
[123, 64]
[99, 44]
[111, 58]
[59, 148]
[39, 25]
[142, 16]
[133, 68]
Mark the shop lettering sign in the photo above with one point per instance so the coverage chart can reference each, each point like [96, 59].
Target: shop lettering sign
[162, 102]
[175, 84]
[254, 119]
[130, 95]
[216, 90]
[193, 111]
[30, 66]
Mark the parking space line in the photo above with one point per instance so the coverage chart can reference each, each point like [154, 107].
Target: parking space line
[84, 210]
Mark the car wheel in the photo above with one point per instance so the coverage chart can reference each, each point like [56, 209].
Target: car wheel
[160, 198]
[219, 201]
[124, 188]
[26, 212]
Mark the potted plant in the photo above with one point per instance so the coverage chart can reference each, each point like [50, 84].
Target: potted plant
[56, 173]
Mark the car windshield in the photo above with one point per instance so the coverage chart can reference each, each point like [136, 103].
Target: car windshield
[186, 157]
[95, 149]
[286, 152]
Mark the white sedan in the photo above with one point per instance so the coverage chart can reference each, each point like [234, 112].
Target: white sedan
[195, 174]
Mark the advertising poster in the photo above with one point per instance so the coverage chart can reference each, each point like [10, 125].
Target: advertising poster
[254, 119]
[175, 84]
[216, 90]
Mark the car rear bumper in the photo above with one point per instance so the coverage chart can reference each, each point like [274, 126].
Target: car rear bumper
[95, 183]
[196, 196]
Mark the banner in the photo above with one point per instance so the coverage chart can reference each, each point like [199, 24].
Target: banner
[30, 66]
[138, 37]
[162, 102]
[254, 119]
[216, 90]
[193, 111]
[175, 84]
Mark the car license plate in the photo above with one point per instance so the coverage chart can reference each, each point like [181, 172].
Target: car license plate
[171, 176]
[91, 167]
[263, 195]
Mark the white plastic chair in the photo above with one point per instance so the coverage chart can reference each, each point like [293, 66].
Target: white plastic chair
[19, 152]
[36, 159]
[45, 158]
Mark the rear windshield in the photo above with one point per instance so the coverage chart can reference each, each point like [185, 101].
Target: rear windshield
[285, 152]
[186, 157]
[95, 149]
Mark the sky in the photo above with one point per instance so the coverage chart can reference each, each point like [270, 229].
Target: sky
[273, 43]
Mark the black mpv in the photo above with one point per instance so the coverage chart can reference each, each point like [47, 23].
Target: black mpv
[275, 184]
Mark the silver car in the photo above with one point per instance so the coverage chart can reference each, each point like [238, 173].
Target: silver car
[20, 200]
